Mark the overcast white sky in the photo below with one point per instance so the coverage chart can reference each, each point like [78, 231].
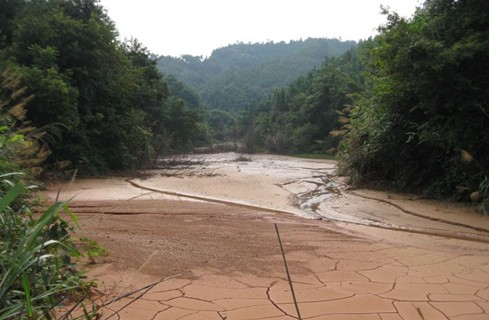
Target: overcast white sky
[196, 27]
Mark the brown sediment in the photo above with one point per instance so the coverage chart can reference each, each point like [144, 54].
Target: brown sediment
[437, 219]
[184, 196]
[229, 257]
[447, 234]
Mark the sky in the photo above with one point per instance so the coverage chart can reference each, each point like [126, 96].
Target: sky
[196, 27]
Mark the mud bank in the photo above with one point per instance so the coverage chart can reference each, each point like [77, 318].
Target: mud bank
[352, 254]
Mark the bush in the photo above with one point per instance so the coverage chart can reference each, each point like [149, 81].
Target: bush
[424, 102]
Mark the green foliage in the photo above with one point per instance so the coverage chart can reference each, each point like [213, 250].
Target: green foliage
[91, 249]
[36, 268]
[182, 124]
[237, 75]
[109, 102]
[35, 259]
[425, 101]
[223, 125]
[182, 91]
[21, 146]
[299, 118]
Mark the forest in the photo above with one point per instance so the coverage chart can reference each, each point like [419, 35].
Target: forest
[101, 103]
[234, 76]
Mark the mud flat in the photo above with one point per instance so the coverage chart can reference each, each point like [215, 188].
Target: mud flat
[206, 229]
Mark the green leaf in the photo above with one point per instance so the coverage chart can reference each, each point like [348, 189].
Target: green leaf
[27, 292]
[11, 195]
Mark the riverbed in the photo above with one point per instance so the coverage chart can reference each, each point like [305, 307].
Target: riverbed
[207, 222]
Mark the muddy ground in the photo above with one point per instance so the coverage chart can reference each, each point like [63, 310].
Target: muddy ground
[204, 233]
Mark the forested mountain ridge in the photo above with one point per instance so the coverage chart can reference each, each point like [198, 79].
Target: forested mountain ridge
[236, 75]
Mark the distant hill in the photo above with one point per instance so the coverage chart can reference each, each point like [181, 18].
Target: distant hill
[236, 75]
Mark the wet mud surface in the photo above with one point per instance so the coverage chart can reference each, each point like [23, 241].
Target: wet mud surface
[352, 254]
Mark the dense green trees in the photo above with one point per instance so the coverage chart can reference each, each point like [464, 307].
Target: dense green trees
[426, 102]
[239, 74]
[107, 101]
[299, 118]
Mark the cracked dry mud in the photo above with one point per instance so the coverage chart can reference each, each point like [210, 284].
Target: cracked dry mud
[224, 260]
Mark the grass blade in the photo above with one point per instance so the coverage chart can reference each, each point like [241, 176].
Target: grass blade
[27, 292]
[13, 193]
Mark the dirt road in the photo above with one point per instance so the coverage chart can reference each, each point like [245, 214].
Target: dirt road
[208, 229]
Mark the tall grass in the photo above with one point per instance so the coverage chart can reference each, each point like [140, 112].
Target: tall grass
[37, 273]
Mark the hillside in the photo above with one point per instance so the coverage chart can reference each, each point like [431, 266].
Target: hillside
[236, 75]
